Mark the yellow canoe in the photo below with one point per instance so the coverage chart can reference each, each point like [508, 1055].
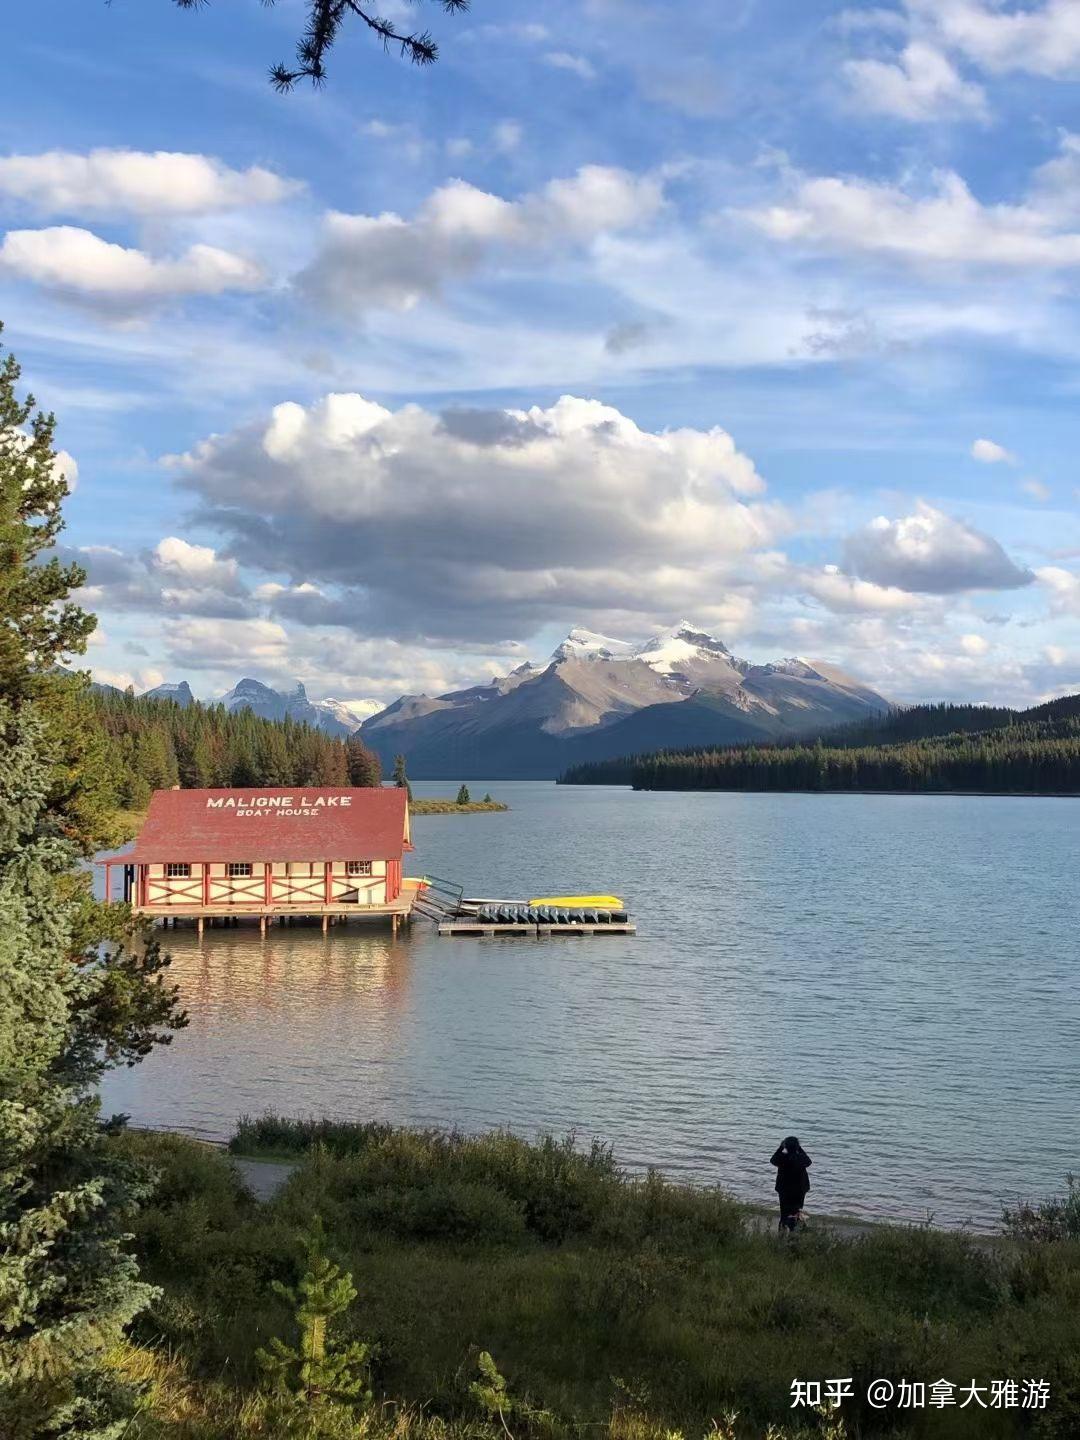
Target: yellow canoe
[580, 902]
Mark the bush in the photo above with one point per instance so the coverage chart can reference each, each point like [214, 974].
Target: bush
[1047, 1222]
[931, 1271]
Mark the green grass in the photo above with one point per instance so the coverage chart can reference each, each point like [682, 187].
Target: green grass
[618, 1307]
[451, 807]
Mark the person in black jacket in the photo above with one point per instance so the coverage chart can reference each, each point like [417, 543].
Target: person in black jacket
[792, 1181]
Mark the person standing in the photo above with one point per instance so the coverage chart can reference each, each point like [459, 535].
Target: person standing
[792, 1181]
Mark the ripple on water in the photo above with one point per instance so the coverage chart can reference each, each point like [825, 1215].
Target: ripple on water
[891, 977]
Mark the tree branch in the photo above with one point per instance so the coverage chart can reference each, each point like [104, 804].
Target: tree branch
[324, 21]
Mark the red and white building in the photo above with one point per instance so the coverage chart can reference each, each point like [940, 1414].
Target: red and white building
[269, 852]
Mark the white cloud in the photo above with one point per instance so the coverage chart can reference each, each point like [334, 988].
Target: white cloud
[576, 64]
[386, 261]
[974, 644]
[921, 85]
[1036, 489]
[1064, 588]
[932, 553]
[175, 577]
[506, 136]
[847, 593]
[989, 452]
[204, 644]
[477, 525]
[941, 222]
[63, 465]
[1040, 39]
[134, 182]
[195, 564]
[79, 264]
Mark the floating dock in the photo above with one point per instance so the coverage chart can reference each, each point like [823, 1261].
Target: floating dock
[471, 925]
[442, 901]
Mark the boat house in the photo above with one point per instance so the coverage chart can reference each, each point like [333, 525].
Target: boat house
[269, 853]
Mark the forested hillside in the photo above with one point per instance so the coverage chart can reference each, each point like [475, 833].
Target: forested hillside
[154, 744]
[926, 748]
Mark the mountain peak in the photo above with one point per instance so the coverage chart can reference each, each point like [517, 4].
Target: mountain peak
[583, 644]
[672, 650]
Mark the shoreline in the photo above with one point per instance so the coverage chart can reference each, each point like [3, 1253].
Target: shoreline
[761, 1217]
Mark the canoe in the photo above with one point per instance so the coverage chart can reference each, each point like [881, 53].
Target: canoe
[580, 902]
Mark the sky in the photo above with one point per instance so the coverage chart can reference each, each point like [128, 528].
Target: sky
[760, 315]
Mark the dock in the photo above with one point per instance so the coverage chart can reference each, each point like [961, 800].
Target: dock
[472, 926]
[442, 902]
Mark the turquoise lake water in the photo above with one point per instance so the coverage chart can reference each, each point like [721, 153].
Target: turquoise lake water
[893, 978]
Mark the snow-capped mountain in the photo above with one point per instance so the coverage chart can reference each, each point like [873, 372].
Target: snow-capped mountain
[599, 697]
[336, 717]
[350, 713]
[180, 694]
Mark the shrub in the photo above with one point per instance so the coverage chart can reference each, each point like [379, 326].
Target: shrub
[931, 1271]
[1046, 1222]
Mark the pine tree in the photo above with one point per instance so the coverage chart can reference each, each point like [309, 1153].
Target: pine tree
[68, 1011]
[401, 780]
[364, 767]
[463, 797]
[317, 1371]
[324, 21]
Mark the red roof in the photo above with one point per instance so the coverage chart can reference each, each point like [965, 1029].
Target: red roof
[297, 823]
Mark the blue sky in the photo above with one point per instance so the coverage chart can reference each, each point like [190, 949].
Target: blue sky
[808, 272]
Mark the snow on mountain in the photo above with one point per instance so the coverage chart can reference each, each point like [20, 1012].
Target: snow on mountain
[350, 713]
[586, 645]
[179, 693]
[599, 697]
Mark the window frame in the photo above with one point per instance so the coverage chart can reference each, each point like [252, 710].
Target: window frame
[359, 869]
[177, 870]
[237, 869]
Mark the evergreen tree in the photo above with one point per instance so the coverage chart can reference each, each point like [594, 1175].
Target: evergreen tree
[68, 1010]
[463, 797]
[401, 780]
[324, 21]
[364, 767]
[317, 1371]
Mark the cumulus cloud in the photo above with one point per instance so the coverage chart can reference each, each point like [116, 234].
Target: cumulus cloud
[78, 264]
[135, 182]
[64, 465]
[175, 577]
[476, 526]
[1064, 588]
[989, 452]
[849, 594]
[386, 261]
[938, 222]
[922, 84]
[1039, 39]
[930, 553]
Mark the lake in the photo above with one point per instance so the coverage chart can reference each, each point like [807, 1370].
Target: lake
[893, 978]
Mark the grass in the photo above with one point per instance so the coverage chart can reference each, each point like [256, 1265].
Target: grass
[613, 1306]
[451, 807]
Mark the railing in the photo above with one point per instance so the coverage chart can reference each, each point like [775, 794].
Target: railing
[440, 899]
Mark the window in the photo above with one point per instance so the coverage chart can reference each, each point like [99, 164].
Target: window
[177, 871]
[357, 867]
[238, 867]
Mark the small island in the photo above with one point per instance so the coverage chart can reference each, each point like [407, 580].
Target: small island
[464, 804]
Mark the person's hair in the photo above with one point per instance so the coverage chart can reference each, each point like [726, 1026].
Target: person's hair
[792, 1143]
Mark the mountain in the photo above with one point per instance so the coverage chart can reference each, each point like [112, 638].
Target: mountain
[334, 717]
[180, 694]
[597, 697]
[271, 704]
